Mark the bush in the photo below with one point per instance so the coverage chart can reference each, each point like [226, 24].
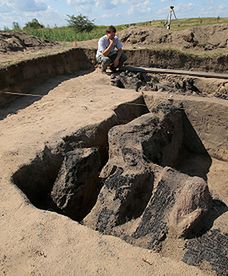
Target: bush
[34, 24]
[80, 23]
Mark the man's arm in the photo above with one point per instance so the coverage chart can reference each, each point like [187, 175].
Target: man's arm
[109, 48]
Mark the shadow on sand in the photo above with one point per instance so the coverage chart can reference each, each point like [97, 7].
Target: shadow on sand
[23, 99]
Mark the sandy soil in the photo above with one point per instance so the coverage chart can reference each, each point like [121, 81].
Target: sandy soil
[37, 242]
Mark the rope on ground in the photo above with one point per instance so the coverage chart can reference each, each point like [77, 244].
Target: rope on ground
[135, 104]
[20, 94]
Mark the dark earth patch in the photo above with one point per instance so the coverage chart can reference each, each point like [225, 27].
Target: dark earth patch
[212, 247]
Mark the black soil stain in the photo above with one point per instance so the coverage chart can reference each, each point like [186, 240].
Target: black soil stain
[212, 247]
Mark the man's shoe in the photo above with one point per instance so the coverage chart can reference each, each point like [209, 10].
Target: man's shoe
[113, 68]
[103, 68]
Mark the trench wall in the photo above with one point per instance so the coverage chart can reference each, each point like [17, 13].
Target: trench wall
[28, 73]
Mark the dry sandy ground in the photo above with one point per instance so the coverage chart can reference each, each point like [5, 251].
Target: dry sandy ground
[37, 242]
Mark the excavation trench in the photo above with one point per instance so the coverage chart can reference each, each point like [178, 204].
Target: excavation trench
[129, 176]
[140, 174]
[17, 79]
[174, 144]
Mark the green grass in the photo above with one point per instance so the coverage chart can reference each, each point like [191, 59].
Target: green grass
[185, 23]
[65, 34]
[68, 34]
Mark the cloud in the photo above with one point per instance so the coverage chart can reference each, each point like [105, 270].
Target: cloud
[87, 4]
[23, 14]
[140, 7]
[4, 8]
[118, 2]
[81, 3]
[107, 5]
[185, 7]
[82, 6]
[25, 5]
[30, 5]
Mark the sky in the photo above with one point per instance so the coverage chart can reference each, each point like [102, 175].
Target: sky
[105, 12]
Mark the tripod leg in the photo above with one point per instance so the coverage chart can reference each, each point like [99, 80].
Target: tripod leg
[174, 14]
[169, 20]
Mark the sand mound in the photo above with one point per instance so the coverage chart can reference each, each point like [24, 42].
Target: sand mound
[203, 38]
[17, 41]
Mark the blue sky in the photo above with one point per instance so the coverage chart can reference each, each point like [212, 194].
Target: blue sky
[105, 12]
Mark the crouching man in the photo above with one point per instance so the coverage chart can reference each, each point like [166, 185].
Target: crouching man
[110, 51]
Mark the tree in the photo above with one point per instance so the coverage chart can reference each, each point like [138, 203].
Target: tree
[34, 24]
[16, 26]
[80, 23]
[6, 29]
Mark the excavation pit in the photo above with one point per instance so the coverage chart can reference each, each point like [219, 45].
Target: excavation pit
[130, 180]
[170, 164]
[170, 145]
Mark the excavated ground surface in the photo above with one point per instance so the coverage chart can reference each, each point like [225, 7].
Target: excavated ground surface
[78, 113]
[40, 242]
[132, 156]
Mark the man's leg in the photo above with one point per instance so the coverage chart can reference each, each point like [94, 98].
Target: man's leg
[123, 58]
[104, 61]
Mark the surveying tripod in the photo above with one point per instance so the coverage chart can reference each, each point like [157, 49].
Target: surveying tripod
[169, 18]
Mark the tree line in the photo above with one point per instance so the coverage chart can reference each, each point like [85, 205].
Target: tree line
[79, 23]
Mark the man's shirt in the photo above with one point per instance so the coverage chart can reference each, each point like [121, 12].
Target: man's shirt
[103, 44]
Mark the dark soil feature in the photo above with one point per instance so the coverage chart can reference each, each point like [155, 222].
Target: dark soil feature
[157, 229]
[143, 81]
[212, 247]
[77, 185]
[150, 145]
[133, 191]
[66, 179]
[221, 95]
[171, 83]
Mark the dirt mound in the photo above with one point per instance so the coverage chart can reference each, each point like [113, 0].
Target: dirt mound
[17, 41]
[203, 38]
